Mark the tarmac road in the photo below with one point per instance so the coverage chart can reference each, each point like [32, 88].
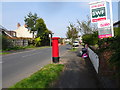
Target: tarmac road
[17, 66]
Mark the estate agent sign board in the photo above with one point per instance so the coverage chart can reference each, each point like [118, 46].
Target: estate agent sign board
[104, 29]
[98, 11]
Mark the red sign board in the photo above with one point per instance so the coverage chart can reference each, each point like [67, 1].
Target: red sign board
[98, 19]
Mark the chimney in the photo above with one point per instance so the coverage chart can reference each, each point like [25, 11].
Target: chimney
[18, 25]
[25, 25]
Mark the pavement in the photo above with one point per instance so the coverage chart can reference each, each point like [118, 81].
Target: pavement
[78, 72]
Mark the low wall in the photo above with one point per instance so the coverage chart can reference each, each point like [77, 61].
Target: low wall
[104, 76]
[94, 59]
[19, 42]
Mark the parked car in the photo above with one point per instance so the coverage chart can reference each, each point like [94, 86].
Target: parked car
[75, 44]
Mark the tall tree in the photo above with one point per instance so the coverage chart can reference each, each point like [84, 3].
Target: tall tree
[30, 21]
[42, 31]
[41, 27]
[72, 33]
[86, 27]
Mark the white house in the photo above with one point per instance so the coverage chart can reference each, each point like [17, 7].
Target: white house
[22, 31]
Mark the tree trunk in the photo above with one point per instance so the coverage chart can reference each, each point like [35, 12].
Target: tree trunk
[33, 34]
[72, 43]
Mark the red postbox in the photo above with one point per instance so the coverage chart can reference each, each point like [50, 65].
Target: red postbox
[55, 49]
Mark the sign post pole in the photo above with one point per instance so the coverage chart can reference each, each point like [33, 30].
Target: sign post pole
[111, 17]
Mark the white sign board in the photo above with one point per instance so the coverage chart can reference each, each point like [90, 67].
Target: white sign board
[104, 29]
[98, 11]
[104, 24]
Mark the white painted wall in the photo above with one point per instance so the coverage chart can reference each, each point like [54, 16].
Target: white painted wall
[23, 32]
[94, 59]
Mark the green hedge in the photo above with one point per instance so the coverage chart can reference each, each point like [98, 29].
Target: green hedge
[90, 39]
[117, 31]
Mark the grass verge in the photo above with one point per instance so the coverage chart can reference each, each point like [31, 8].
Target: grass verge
[42, 78]
[73, 49]
[2, 53]
[42, 47]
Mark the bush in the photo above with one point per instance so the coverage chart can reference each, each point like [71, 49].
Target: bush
[115, 58]
[90, 39]
[112, 48]
[37, 41]
[14, 48]
[115, 46]
[117, 31]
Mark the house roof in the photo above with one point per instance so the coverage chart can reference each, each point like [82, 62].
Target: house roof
[7, 33]
[2, 28]
[116, 23]
[22, 31]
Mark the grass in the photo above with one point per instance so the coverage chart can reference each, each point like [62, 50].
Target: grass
[42, 47]
[30, 46]
[14, 48]
[73, 49]
[42, 78]
[2, 53]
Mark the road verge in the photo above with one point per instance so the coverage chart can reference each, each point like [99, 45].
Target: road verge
[42, 78]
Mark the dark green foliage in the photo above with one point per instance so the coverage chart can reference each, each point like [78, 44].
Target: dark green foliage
[115, 58]
[115, 46]
[117, 31]
[112, 44]
[15, 48]
[42, 32]
[41, 28]
[115, 43]
[30, 21]
[90, 39]
[37, 25]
